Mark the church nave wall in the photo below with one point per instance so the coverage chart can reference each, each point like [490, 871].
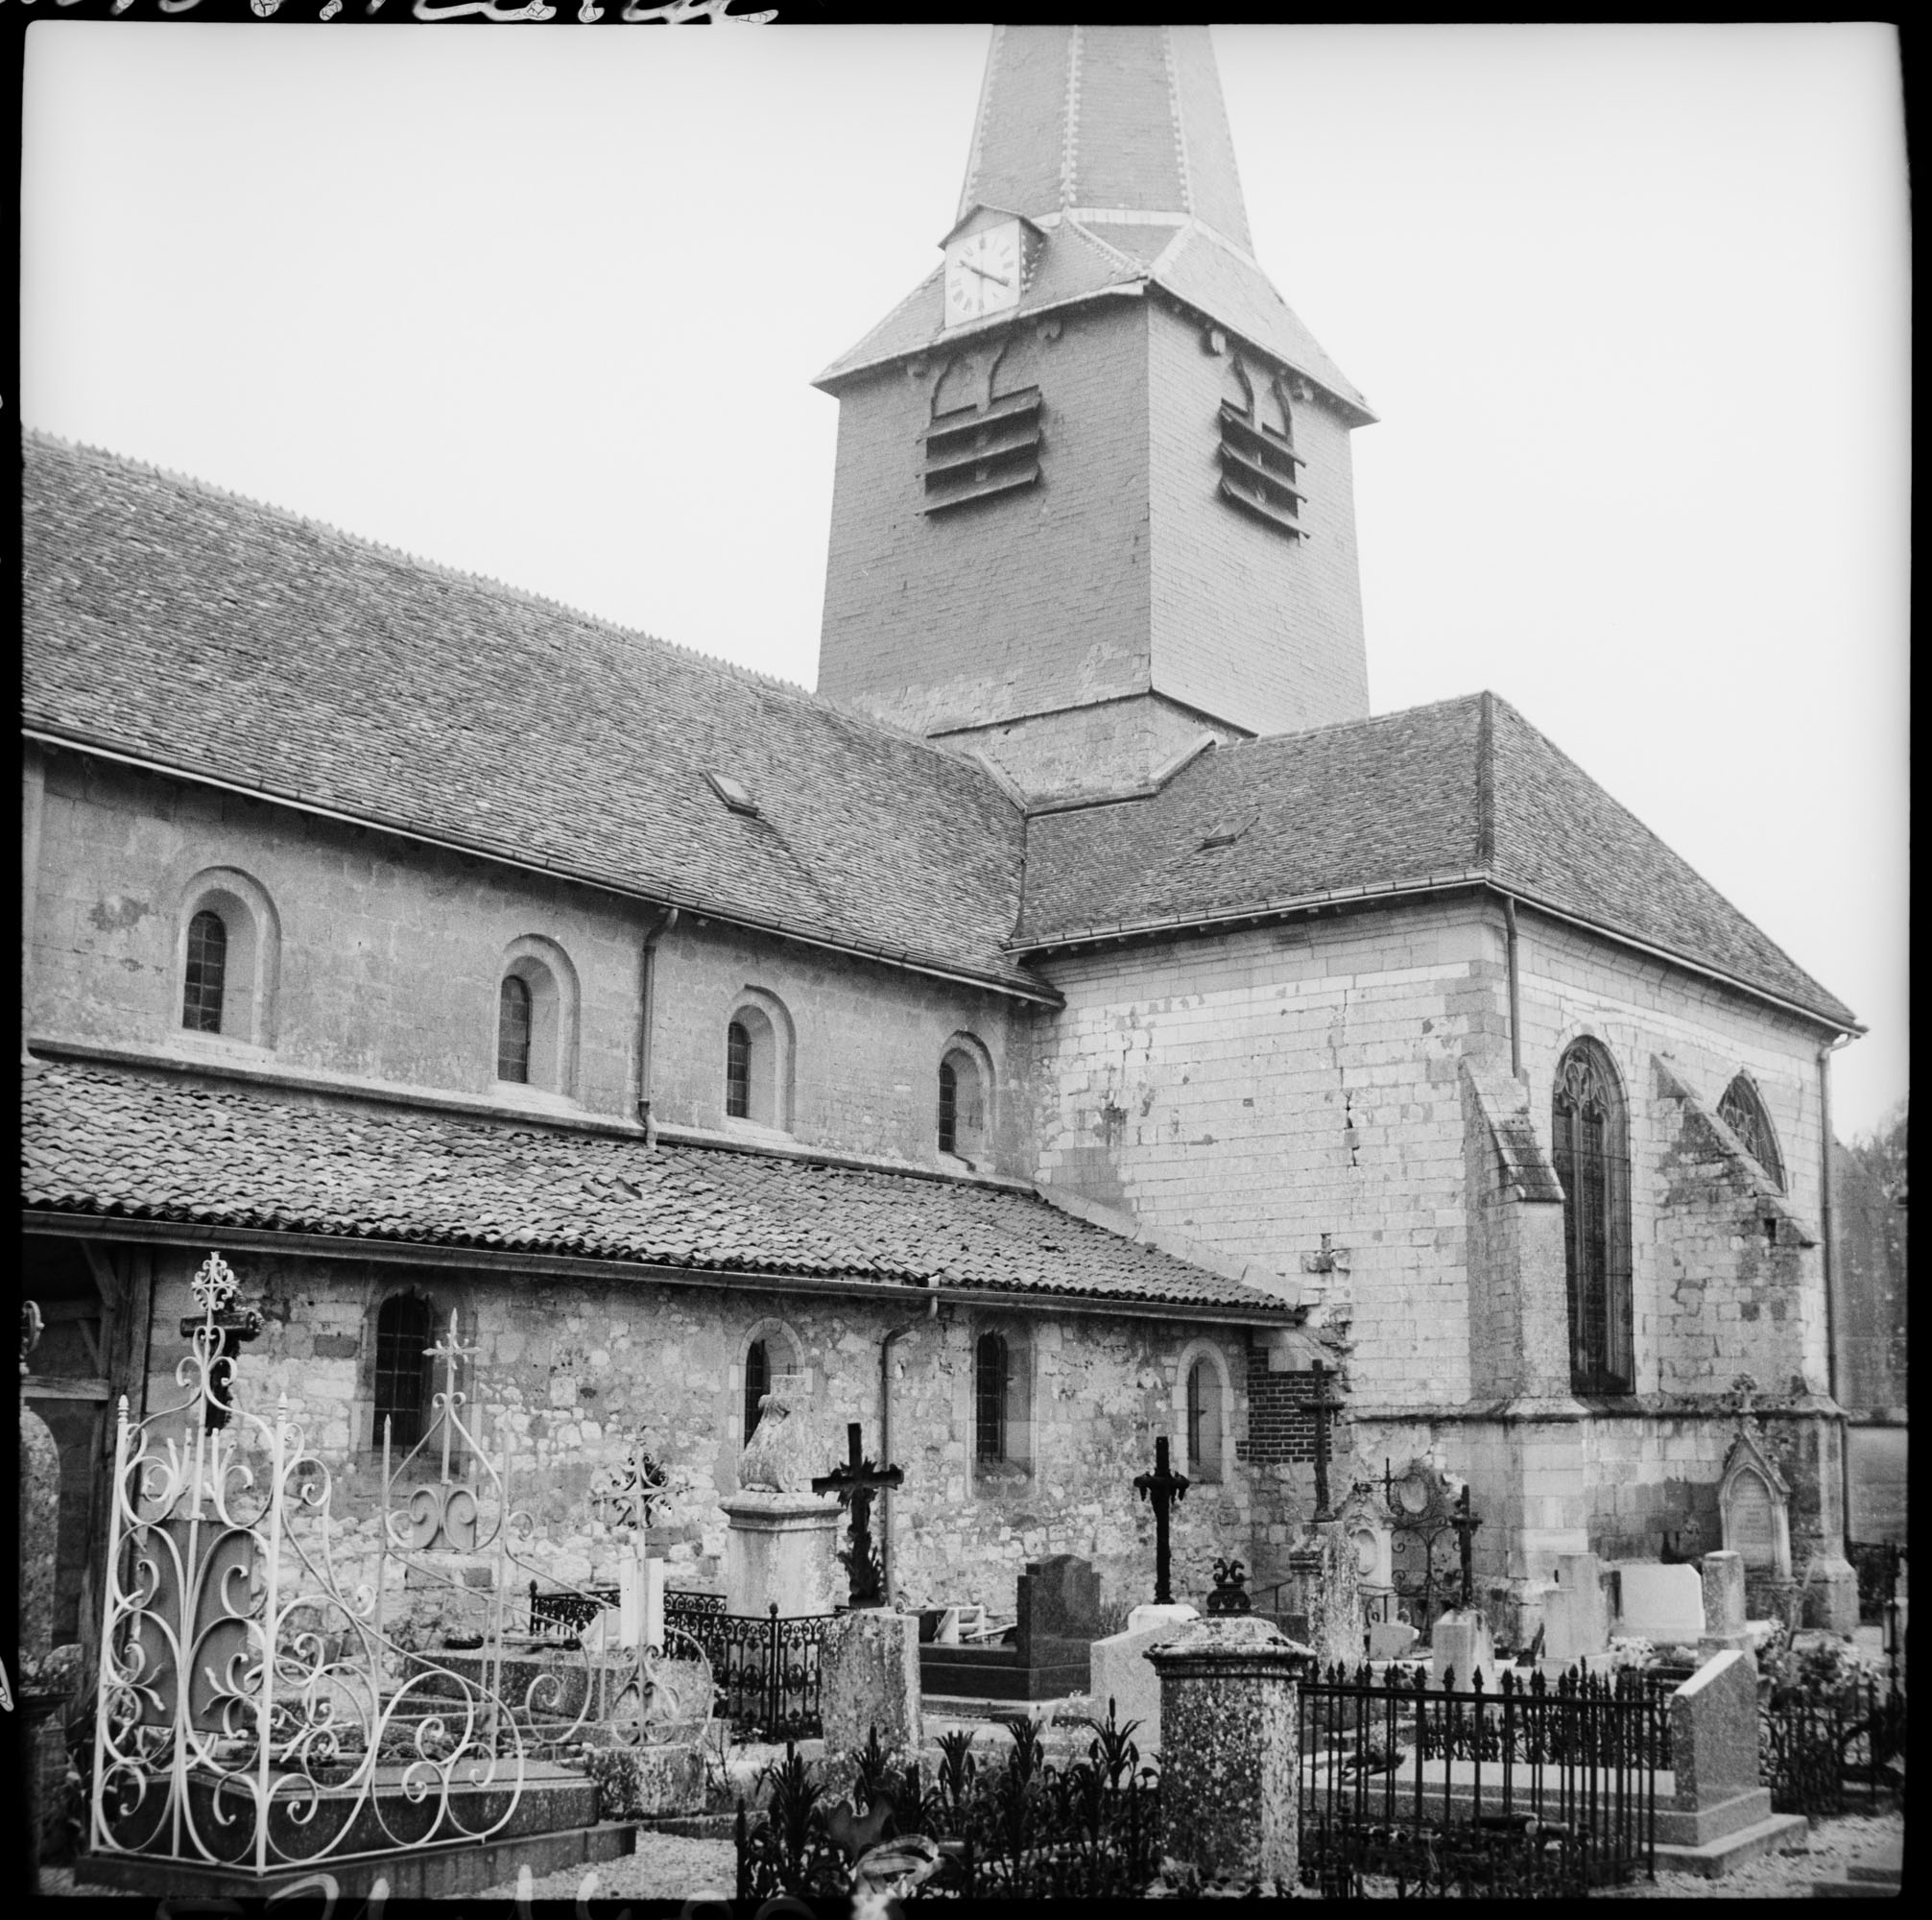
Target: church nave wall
[576, 1369]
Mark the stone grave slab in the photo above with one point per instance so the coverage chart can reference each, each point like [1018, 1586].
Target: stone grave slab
[1663, 1605]
[1391, 1639]
[1576, 1619]
[1123, 1673]
[869, 1677]
[1047, 1655]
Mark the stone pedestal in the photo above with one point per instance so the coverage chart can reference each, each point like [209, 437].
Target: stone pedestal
[869, 1677]
[781, 1551]
[1830, 1587]
[1228, 1766]
[1576, 1620]
[1146, 1615]
[1724, 1609]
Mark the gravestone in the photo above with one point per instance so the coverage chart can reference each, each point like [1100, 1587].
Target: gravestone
[1660, 1605]
[1058, 1622]
[1228, 1759]
[869, 1678]
[1576, 1619]
[1391, 1639]
[1460, 1646]
[1121, 1672]
[1713, 1736]
[1336, 1622]
[1723, 1610]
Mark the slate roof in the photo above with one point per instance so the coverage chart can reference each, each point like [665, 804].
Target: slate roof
[170, 620]
[101, 1141]
[1462, 790]
[1078, 123]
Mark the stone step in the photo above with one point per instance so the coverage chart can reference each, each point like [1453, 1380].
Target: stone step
[1694, 1827]
[1718, 1858]
[426, 1873]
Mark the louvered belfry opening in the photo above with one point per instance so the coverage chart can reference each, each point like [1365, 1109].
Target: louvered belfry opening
[403, 1385]
[1258, 470]
[990, 1368]
[206, 973]
[1592, 1159]
[982, 452]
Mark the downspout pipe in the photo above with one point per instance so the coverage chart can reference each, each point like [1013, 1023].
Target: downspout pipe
[647, 1005]
[1826, 1229]
[1516, 986]
[894, 1334]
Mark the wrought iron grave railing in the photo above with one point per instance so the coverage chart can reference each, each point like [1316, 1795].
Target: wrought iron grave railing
[1538, 1789]
[255, 1707]
[766, 1669]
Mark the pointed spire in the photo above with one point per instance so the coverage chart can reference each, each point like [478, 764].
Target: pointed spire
[1124, 118]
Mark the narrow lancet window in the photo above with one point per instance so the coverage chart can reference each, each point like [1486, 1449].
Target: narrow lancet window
[206, 973]
[1592, 1159]
[737, 1070]
[513, 1030]
[757, 1383]
[990, 1382]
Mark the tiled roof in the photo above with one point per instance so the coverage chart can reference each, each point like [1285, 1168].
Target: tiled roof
[170, 620]
[1466, 789]
[100, 1141]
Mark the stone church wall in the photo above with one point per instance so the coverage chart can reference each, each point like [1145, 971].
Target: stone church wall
[575, 1369]
[390, 954]
[1289, 1096]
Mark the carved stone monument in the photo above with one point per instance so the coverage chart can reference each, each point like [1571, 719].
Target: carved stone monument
[1754, 1504]
[782, 1545]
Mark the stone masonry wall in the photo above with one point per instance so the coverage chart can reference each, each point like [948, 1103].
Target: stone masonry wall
[390, 955]
[571, 1370]
[1262, 1089]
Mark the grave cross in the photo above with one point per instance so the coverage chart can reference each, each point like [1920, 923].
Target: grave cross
[1466, 1524]
[1324, 1408]
[1160, 1489]
[855, 1483]
[223, 1326]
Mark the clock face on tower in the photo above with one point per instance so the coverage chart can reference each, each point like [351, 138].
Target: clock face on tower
[983, 274]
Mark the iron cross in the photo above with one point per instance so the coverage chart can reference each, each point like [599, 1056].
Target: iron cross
[856, 1484]
[1161, 1488]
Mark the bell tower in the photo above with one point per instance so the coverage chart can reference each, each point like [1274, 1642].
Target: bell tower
[1093, 497]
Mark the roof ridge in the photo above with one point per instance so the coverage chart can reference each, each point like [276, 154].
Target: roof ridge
[1361, 720]
[1650, 834]
[443, 570]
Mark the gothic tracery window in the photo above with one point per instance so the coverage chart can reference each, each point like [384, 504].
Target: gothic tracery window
[1591, 1139]
[1742, 1111]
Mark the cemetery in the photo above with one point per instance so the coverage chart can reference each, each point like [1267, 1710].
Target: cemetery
[1362, 1725]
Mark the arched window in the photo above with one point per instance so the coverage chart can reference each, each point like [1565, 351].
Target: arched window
[966, 1082]
[536, 1018]
[737, 1072]
[1742, 1111]
[513, 1030]
[757, 1383]
[992, 1377]
[949, 1108]
[1204, 1420]
[404, 1332]
[1590, 1140]
[206, 973]
[758, 1061]
[227, 957]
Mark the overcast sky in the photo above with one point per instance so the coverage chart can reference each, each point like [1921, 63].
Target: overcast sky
[543, 304]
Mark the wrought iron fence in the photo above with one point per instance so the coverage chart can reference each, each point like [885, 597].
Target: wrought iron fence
[255, 1708]
[766, 1670]
[1543, 1788]
[1822, 1752]
[984, 1825]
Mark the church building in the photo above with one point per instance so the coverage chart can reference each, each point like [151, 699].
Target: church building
[1082, 1021]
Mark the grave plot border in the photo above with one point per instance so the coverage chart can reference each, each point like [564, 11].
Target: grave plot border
[1527, 1790]
[1825, 1754]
